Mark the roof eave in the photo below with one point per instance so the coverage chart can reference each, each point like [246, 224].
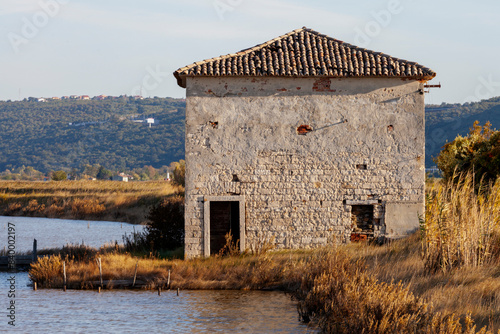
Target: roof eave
[181, 78]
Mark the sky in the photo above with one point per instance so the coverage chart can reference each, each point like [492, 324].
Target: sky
[131, 47]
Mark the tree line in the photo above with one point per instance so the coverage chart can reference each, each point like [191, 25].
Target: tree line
[67, 134]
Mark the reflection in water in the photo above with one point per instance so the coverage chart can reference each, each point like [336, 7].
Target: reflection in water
[119, 311]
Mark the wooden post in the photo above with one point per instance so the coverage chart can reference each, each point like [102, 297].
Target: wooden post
[100, 269]
[35, 256]
[159, 291]
[135, 273]
[177, 291]
[34, 286]
[64, 275]
[99, 290]
[168, 280]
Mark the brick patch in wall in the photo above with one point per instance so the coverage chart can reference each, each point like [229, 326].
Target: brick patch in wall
[323, 85]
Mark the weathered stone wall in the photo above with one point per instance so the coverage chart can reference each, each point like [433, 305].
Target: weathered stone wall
[366, 147]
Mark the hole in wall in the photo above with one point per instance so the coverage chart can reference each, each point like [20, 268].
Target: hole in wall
[362, 222]
[362, 167]
[304, 129]
[390, 128]
[214, 125]
[235, 178]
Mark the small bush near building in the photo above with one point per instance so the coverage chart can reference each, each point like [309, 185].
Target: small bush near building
[165, 231]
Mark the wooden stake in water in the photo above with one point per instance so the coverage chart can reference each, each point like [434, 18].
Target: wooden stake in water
[64, 275]
[168, 280]
[177, 291]
[99, 290]
[34, 286]
[100, 269]
[159, 291]
[34, 251]
[135, 273]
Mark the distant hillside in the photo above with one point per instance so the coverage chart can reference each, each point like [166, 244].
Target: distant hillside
[71, 133]
[446, 121]
[109, 132]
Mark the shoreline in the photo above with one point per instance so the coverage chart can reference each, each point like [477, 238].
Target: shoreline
[83, 200]
[354, 277]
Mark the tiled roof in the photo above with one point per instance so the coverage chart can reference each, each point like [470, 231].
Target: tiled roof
[305, 53]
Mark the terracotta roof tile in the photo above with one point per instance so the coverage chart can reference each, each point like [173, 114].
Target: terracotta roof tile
[305, 53]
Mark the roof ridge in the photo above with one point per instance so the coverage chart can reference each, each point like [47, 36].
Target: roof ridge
[242, 52]
[309, 54]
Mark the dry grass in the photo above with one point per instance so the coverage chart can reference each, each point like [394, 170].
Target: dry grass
[343, 290]
[460, 224]
[225, 272]
[474, 290]
[342, 297]
[103, 200]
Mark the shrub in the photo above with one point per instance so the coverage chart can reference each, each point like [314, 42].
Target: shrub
[12, 208]
[87, 207]
[59, 175]
[104, 174]
[47, 271]
[166, 227]
[34, 208]
[341, 297]
[477, 153]
[179, 172]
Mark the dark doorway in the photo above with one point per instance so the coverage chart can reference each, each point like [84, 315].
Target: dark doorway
[224, 219]
[362, 222]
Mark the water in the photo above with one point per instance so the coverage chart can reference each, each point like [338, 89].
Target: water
[121, 311]
[52, 233]
[124, 311]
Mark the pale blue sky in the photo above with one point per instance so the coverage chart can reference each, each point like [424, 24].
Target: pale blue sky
[113, 47]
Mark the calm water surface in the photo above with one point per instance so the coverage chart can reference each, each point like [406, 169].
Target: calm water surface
[122, 311]
[52, 233]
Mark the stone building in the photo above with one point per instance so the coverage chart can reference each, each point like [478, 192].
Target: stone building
[303, 141]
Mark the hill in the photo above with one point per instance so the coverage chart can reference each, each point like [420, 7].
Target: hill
[114, 133]
[444, 122]
[65, 134]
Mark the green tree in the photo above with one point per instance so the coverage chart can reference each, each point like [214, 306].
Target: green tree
[478, 152]
[104, 174]
[166, 227]
[179, 172]
[59, 175]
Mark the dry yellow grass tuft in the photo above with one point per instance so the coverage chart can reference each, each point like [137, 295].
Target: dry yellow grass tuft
[460, 224]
